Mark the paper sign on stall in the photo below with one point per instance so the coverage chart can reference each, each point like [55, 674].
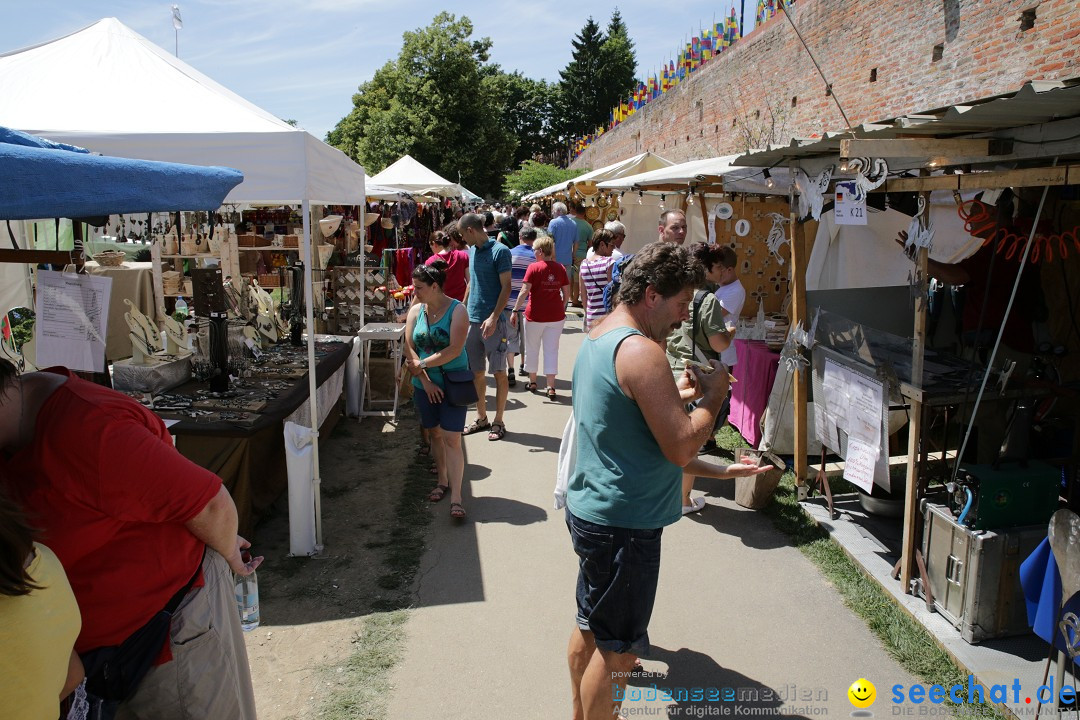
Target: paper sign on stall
[72, 319]
[850, 208]
[852, 403]
[859, 462]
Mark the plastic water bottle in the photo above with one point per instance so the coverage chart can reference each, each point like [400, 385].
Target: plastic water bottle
[247, 600]
[181, 306]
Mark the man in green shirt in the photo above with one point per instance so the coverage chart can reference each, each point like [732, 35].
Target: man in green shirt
[581, 248]
[634, 438]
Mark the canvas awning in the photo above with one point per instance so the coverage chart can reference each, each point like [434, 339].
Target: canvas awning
[716, 174]
[644, 162]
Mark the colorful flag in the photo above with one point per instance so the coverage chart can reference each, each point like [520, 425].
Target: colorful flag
[731, 29]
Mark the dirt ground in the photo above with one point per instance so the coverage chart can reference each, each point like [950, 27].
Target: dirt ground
[313, 608]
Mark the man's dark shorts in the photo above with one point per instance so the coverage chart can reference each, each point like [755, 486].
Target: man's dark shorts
[616, 587]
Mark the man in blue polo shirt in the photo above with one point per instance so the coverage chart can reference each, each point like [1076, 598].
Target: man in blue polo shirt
[564, 231]
[485, 299]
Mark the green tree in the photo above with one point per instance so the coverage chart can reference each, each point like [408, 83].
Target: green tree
[528, 112]
[533, 176]
[439, 101]
[580, 108]
[618, 65]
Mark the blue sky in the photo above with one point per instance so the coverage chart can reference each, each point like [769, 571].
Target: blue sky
[304, 60]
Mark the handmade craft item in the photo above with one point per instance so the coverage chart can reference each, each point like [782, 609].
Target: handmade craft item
[870, 174]
[812, 192]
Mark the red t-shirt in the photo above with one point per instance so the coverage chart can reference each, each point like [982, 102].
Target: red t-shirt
[546, 280]
[458, 260]
[110, 494]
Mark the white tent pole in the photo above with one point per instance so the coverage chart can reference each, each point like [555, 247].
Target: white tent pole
[363, 264]
[313, 385]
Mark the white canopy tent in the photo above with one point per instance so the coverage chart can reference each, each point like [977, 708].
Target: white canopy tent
[637, 164]
[709, 171]
[469, 196]
[411, 176]
[383, 192]
[61, 89]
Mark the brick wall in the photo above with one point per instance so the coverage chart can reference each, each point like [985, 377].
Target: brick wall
[766, 88]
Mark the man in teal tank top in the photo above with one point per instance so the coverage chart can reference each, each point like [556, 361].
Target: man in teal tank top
[634, 440]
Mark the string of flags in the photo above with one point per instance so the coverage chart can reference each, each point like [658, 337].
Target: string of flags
[692, 57]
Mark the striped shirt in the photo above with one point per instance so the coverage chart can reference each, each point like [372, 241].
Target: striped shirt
[521, 257]
[594, 275]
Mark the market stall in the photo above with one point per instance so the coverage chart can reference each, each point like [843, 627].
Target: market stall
[55, 89]
[1007, 172]
[740, 207]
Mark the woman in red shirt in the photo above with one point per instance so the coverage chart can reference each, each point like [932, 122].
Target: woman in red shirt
[547, 289]
[457, 274]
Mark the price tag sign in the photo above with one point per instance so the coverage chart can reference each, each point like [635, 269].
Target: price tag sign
[848, 211]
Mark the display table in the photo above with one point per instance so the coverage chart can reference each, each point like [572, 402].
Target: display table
[249, 457]
[134, 281]
[755, 372]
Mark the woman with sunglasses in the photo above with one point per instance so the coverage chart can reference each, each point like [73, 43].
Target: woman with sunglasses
[435, 332]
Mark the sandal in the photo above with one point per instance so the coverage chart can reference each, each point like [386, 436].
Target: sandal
[424, 449]
[497, 432]
[476, 426]
[531, 387]
[551, 394]
[438, 493]
[457, 511]
[434, 469]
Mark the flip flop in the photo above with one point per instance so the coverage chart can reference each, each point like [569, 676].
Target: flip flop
[476, 426]
[457, 511]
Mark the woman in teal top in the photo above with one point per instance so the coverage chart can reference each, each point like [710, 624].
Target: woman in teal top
[435, 333]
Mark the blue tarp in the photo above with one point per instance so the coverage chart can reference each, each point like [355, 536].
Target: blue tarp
[49, 181]
[18, 137]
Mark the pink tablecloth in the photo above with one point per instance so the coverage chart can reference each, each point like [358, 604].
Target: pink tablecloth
[755, 371]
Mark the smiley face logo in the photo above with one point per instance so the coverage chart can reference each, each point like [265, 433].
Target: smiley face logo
[862, 693]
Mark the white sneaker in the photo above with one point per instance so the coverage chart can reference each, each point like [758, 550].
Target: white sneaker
[696, 505]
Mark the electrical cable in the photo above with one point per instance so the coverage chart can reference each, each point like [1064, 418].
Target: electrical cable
[828, 85]
[1001, 329]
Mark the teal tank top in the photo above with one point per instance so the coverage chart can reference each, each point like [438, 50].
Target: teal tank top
[622, 478]
[429, 340]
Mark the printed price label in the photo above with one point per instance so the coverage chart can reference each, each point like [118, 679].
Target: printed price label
[848, 211]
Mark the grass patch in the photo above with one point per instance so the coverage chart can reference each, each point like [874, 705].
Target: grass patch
[364, 682]
[903, 637]
[362, 685]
